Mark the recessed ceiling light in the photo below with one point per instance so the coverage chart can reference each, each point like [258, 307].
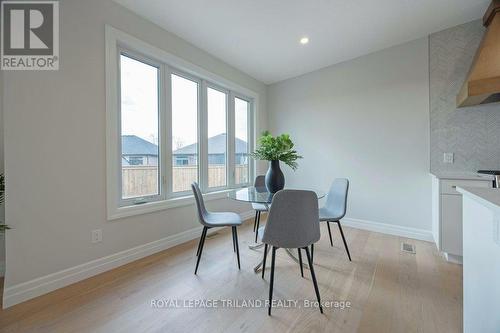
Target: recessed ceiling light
[304, 40]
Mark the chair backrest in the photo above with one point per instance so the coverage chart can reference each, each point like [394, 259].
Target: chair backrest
[260, 181]
[200, 204]
[293, 220]
[336, 201]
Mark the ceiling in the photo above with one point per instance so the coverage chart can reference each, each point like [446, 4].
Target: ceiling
[261, 37]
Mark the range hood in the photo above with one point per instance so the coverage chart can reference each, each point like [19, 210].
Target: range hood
[483, 82]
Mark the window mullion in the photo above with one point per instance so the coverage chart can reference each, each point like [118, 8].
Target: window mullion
[167, 132]
[251, 121]
[203, 136]
[231, 142]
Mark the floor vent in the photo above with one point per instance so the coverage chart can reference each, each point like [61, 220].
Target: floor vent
[408, 248]
[213, 235]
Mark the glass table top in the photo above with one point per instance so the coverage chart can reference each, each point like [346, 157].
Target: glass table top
[258, 195]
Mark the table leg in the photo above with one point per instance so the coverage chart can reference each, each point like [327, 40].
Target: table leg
[256, 246]
[258, 267]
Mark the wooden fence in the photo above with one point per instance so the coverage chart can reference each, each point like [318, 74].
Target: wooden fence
[143, 180]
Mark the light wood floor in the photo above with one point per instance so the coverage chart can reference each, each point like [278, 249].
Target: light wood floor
[389, 291]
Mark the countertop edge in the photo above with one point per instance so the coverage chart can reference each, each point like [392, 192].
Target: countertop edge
[461, 176]
[489, 197]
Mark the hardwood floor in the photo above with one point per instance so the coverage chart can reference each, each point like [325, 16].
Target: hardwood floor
[389, 291]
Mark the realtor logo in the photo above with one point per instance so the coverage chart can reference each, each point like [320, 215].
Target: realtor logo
[30, 35]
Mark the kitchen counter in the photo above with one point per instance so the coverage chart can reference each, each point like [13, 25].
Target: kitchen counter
[481, 264]
[489, 197]
[461, 175]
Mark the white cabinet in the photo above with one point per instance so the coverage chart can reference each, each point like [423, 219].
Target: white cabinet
[451, 224]
[447, 213]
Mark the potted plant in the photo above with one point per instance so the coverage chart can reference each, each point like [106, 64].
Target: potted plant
[274, 150]
[3, 227]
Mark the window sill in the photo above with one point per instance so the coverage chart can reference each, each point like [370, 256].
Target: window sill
[151, 207]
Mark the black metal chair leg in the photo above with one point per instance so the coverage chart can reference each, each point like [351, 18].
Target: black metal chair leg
[264, 260]
[312, 252]
[272, 281]
[329, 232]
[255, 221]
[257, 229]
[235, 232]
[345, 243]
[234, 244]
[311, 268]
[201, 248]
[300, 263]
[199, 243]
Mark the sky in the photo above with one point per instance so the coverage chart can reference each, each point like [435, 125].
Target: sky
[139, 113]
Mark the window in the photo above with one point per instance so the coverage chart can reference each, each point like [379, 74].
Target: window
[217, 137]
[135, 160]
[170, 123]
[139, 128]
[241, 144]
[181, 160]
[184, 132]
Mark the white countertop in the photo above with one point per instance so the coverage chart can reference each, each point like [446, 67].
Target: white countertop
[461, 175]
[489, 197]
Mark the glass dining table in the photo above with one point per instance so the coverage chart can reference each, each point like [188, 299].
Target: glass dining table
[260, 195]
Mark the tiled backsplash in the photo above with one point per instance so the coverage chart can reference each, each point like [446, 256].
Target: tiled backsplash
[473, 133]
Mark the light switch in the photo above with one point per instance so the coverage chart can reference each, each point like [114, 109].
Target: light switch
[448, 158]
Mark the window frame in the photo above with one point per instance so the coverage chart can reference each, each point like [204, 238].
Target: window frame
[250, 141]
[169, 180]
[117, 43]
[206, 188]
[123, 202]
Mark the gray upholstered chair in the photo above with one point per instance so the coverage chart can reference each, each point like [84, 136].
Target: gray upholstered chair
[292, 224]
[335, 208]
[260, 181]
[214, 220]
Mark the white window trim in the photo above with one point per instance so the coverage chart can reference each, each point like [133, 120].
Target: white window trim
[116, 40]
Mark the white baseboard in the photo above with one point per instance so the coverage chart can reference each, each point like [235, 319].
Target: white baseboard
[390, 229]
[453, 258]
[24, 291]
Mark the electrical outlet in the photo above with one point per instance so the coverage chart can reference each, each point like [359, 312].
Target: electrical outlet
[448, 158]
[96, 235]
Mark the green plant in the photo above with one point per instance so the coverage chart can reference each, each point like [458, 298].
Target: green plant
[279, 148]
[3, 227]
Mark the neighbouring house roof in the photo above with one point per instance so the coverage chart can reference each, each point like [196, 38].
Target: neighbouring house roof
[134, 145]
[216, 145]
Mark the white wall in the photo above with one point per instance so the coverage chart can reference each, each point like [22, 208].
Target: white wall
[366, 120]
[55, 148]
